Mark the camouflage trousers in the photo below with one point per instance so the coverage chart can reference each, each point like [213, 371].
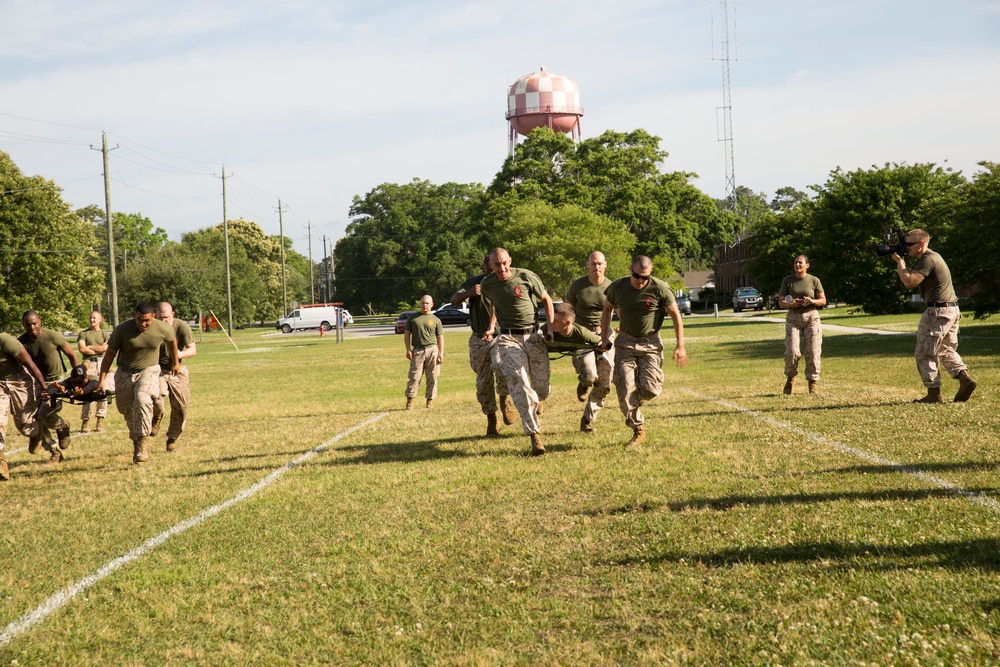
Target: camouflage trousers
[487, 379]
[638, 374]
[135, 392]
[523, 360]
[97, 408]
[49, 419]
[594, 369]
[803, 337]
[937, 345]
[17, 401]
[424, 362]
[178, 390]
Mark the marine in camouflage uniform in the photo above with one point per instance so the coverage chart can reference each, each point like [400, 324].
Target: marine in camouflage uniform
[46, 348]
[801, 294]
[137, 343]
[937, 333]
[176, 386]
[18, 375]
[92, 343]
[642, 301]
[489, 382]
[425, 332]
[517, 349]
[594, 368]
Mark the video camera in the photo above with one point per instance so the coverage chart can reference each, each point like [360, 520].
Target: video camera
[883, 249]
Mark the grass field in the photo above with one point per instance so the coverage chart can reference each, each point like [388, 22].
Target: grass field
[852, 527]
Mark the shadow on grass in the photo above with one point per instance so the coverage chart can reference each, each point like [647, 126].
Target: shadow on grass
[981, 554]
[730, 502]
[922, 467]
[813, 407]
[410, 451]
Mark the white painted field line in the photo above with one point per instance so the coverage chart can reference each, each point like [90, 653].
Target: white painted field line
[63, 597]
[933, 480]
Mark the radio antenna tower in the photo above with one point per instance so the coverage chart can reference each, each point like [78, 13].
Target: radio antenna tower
[726, 129]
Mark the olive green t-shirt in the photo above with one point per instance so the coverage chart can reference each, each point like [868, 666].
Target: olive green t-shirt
[139, 350]
[588, 299]
[641, 311]
[184, 337]
[424, 329]
[578, 339]
[479, 310]
[514, 299]
[936, 285]
[45, 353]
[806, 286]
[93, 337]
[10, 347]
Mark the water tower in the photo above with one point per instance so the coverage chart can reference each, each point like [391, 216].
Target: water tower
[543, 99]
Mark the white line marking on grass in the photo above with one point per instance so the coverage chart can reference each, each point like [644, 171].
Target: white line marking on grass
[934, 480]
[63, 597]
[16, 451]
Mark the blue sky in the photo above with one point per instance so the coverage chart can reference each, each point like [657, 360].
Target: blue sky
[318, 101]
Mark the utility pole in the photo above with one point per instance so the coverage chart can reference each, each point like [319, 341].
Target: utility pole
[112, 277]
[225, 235]
[312, 285]
[281, 233]
[326, 273]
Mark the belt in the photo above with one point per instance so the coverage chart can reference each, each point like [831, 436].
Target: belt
[596, 328]
[518, 332]
[942, 304]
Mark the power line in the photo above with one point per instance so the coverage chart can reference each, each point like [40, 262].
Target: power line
[47, 122]
[171, 168]
[149, 148]
[47, 140]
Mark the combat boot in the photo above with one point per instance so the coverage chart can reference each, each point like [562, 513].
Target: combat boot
[4, 472]
[581, 392]
[63, 434]
[966, 386]
[586, 426]
[491, 426]
[537, 448]
[430, 403]
[171, 444]
[99, 426]
[638, 437]
[539, 409]
[33, 443]
[787, 391]
[83, 426]
[155, 428]
[140, 451]
[813, 387]
[57, 455]
[507, 407]
[409, 402]
[933, 396]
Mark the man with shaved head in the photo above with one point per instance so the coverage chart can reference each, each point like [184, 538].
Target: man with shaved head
[176, 386]
[518, 350]
[587, 295]
[47, 348]
[642, 301]
[425, 332]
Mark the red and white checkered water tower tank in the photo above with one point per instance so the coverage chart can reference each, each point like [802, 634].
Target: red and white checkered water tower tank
[543, 99]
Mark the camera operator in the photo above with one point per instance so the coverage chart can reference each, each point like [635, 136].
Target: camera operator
[937, 334]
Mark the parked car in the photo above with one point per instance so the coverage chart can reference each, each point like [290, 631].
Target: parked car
[747, 297]
[541, 310]
[401, 320]
[684, 303]
[450, 314]
[313, 316]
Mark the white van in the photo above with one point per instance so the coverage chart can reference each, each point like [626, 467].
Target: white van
[314, 316]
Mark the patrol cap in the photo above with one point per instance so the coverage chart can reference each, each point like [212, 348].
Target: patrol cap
[78, 372]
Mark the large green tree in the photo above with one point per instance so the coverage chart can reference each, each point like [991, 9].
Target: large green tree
[972, 245]
[555, 241]
[405, 241]
[852, 212]
[47, 256]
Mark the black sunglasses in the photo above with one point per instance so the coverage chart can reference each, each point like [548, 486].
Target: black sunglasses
[638, 277]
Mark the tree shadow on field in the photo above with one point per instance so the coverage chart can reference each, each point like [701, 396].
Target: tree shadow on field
[960, 466]
[850, 346]
[412, 451]
[736, 501]
[812, 407]
[982, 554]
